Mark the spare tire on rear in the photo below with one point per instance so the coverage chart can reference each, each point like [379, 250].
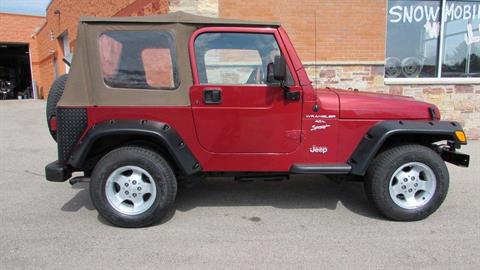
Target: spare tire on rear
[56, 92]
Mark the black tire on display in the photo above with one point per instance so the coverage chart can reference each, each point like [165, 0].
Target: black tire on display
[133, 187]
[407, 182]
[56, 92]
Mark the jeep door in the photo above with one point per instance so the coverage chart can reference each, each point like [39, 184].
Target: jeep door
[235, 108]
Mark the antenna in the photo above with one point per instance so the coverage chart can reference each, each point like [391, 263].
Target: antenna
[315, 106]
[315, 50]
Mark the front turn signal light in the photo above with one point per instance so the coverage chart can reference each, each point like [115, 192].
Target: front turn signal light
[461, 136]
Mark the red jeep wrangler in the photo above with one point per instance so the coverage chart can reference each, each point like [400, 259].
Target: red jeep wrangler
[152, 101]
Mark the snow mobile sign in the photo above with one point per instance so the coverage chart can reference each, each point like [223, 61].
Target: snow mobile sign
[429, 14]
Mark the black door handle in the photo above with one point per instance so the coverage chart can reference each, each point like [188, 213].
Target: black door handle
[212, 96]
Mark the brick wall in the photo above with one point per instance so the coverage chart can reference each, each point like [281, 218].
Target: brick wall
[24, 26]
[49, 46]
[24, 29]
[346, 30]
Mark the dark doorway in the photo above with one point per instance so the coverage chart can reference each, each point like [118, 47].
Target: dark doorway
[15, 73]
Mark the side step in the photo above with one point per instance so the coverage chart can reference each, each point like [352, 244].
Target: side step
[340, 168]
[267, 178]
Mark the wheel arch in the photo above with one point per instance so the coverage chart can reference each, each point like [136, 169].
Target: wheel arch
[161, 137]
[387, 134]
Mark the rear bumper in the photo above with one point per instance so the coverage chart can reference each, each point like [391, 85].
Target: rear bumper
[55, 172]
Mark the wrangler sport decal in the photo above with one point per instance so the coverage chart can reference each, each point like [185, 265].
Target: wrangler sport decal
[320, 125]
[324, 116]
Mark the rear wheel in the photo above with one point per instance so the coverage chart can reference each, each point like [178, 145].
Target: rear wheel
[133, 187]
[407, 182]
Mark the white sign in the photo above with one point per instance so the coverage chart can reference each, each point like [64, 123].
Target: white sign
[433, 29]
[419, 13]
[413, 13]
[431, 16]
[470, 36]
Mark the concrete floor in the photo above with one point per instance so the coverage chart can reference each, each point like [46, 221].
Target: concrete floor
[307, 222]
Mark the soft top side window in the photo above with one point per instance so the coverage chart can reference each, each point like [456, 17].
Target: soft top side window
[139, 59]
[235, 58]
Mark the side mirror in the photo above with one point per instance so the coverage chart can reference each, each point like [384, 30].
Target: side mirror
[277, 72]
[279, 68]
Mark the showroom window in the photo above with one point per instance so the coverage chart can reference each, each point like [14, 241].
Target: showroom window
[432, 39]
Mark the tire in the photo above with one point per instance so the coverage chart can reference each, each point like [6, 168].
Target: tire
[404, 171]
[157, 179]
[56, 92]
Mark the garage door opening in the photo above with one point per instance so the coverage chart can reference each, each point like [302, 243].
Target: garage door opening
[15, 73]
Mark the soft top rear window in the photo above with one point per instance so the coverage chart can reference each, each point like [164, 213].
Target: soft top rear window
[139, 59]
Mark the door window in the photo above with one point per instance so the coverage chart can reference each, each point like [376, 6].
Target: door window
[235, 58]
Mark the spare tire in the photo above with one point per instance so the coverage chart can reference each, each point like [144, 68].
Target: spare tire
[56, 92]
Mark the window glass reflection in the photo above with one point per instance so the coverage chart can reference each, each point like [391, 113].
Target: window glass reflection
[461, 39]
[412, 38]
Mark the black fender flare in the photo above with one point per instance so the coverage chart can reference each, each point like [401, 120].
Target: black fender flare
[160, 133]
[380, 132]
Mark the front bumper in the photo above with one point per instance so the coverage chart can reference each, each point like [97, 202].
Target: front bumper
[450, 155]
[56, 172]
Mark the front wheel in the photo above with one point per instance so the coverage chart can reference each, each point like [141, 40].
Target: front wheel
[407, 182]
[133, 187]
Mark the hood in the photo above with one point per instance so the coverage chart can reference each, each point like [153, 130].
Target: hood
[366, 105]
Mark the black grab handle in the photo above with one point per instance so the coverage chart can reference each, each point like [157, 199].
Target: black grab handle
[212, 96]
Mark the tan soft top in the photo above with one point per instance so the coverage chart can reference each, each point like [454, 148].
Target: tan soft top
[85, 85]
[177, 17]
